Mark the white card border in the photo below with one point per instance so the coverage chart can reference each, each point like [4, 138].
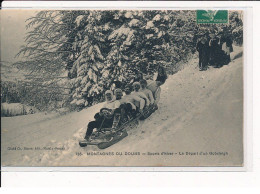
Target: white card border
[248, 71]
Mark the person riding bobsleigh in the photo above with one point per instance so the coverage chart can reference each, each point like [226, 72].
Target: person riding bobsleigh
[133, 104]
[147, 92]
[108, 117]
[140, 94]
[154, 86]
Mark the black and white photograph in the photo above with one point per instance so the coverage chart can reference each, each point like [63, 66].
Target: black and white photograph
[122, 88]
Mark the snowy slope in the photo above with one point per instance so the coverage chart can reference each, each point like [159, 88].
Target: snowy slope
[198, 112]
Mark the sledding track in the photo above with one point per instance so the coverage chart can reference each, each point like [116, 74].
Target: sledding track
[198, 112]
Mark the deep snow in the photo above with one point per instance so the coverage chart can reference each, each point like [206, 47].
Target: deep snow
[199, 112]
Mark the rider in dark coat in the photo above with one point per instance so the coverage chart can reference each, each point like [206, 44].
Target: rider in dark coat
[204, 52]
[162, 75]
[229, 46]
[100, 119]
[215, 51]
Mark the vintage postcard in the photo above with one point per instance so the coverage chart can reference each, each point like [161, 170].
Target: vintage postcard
[122, 88]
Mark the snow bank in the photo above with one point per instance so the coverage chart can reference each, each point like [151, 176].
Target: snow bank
[14, 109]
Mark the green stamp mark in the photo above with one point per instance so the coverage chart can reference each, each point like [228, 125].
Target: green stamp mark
[212, 16]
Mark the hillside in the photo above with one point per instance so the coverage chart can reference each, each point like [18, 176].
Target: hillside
[199, 112]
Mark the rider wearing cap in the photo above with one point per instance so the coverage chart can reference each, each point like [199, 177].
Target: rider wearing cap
[154, 86]
[135, 101]
[111, 102]
[140, 94]
[100, 117]
[146, 91]
[127, 106]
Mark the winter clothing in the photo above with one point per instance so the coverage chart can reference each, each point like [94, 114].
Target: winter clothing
[128, 109]
[100, 119]
[112, 104]
[153, 86]
[203, 49]
[149, 94]
[126, 100]
[227, 48]
[142, 95]
[215, 51]
[156, 90]
[134, 100]
[162, 76]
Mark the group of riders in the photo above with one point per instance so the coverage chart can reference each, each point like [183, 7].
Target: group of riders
[123, 106]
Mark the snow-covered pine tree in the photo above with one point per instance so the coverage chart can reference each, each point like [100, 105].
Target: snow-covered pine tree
[123, 40]
[95, 48]
[86, 71]
[182, 39]
[139, 44]
[127, 42]
[156, 40]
